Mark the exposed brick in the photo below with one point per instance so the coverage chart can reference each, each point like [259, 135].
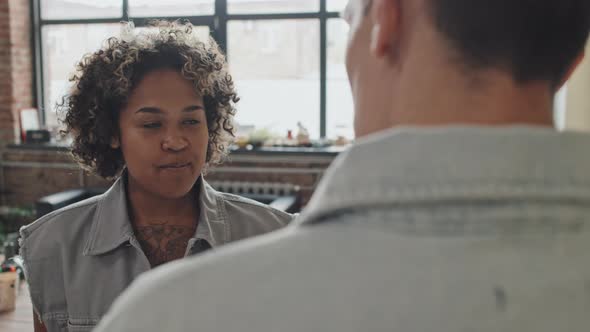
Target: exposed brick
[22, 185]
[37, 156]
[15, 64]
[27, 184]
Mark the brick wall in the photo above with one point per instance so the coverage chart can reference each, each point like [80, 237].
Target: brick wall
[28, 175]
[31, 174]
[5, 72]
[16, 73]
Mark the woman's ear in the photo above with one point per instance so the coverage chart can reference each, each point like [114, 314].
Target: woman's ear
[115, 143]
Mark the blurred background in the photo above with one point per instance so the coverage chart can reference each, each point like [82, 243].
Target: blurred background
[287, 59]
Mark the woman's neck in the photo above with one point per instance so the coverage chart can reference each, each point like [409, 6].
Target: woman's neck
[146, 208]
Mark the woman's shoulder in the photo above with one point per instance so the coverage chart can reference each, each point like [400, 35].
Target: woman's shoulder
[63, 217]
[230, 204]
[247, 214]
[55, 228]
[244, 202]
[50, 247]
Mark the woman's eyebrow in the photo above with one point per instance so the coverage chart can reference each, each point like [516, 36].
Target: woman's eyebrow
[192, 108]
[156, 110]
[151, 110]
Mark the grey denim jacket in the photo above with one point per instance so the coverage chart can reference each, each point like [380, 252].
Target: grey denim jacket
[80, 258]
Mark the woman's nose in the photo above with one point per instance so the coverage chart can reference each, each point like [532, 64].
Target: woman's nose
[174, 143]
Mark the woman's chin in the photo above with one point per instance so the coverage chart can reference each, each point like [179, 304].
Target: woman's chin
[174, 189]
[173, 193]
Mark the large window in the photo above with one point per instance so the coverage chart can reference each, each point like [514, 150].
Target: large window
[286, 56]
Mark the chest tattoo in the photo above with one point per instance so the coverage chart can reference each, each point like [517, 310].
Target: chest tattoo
[162, 243]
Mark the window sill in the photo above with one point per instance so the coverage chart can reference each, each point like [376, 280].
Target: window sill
[324, 151]
[40, 146]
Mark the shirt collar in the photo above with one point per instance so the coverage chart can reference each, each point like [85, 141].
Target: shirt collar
[111, 226]
[459, 164]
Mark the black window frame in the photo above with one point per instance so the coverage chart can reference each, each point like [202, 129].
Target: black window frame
[217, 23]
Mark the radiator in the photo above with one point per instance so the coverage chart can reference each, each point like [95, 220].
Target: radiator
[256, 188]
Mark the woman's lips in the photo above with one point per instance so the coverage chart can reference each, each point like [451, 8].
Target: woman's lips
[175, 166]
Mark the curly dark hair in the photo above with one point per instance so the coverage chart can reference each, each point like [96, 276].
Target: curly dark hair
[105, 79]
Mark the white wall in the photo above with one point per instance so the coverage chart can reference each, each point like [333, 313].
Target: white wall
[577, 115]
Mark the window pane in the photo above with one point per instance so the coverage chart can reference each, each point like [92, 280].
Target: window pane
[340, 110]
[77, 9]
[63, 47]
[336, 5]
[272, 6]
[276, 67]
[202, 31]
[150, 8]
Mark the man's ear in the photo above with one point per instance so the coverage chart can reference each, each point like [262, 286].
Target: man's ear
[385, 34]
[571, 69]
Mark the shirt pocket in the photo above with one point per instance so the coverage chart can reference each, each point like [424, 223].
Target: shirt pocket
[81, 325]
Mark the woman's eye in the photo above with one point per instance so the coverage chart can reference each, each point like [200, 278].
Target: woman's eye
[152, 125]
[191, 122]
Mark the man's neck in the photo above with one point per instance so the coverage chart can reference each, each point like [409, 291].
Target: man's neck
[492, 98]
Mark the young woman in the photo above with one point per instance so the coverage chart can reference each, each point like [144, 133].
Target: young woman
[151, 109]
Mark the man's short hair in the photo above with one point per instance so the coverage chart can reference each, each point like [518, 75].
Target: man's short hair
[532, 39]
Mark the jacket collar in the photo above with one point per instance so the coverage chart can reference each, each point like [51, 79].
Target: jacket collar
[111, 226]
[458, 164]
[213, 225]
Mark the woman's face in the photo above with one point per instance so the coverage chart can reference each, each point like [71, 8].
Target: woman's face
[164, 134]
